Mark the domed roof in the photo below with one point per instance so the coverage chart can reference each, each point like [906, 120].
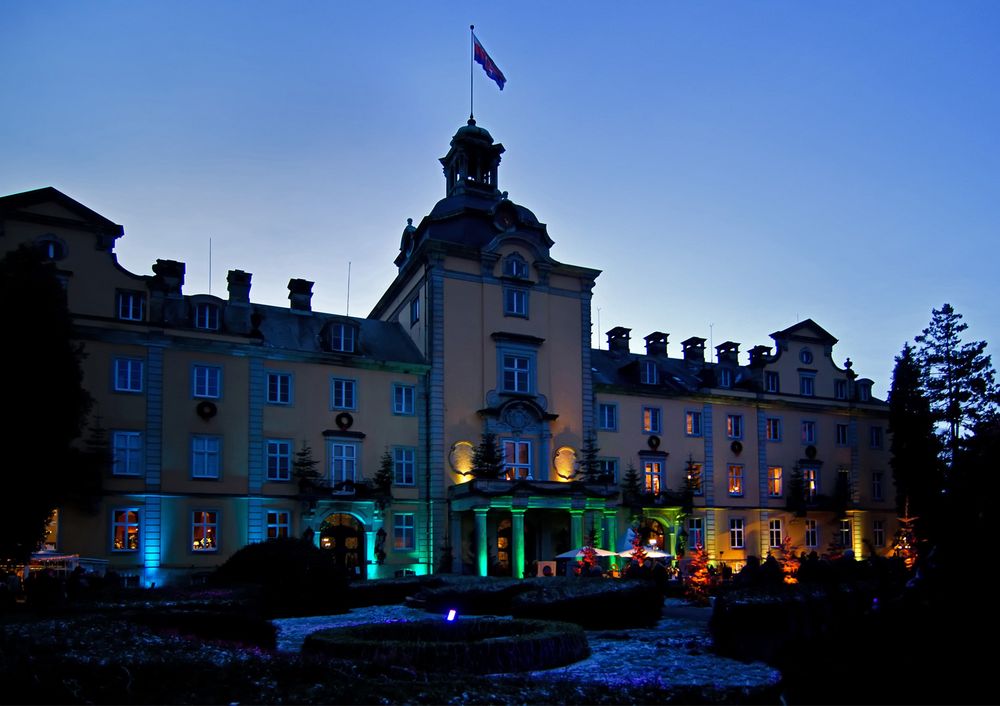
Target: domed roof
[471, 131]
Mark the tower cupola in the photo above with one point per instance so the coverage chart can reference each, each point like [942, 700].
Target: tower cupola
[471, 163]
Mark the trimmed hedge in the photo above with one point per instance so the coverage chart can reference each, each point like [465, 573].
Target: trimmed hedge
[594, 605]
[391, 591]
[473, 596]
[211, 625]
[474, 646]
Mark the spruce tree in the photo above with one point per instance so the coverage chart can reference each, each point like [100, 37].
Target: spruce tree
[590, 466]
[383, 480]
[488, 460]
[632, 487]
[304, 466]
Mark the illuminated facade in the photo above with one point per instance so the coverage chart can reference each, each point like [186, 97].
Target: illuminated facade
[207, 401]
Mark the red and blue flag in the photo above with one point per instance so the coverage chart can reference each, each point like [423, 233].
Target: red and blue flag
[483, 59]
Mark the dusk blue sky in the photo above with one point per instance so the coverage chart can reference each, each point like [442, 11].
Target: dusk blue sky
[731, 167]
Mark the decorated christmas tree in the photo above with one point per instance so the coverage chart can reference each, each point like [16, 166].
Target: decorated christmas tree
[638, 551]
[589, 557]
[904, 543]
[698, 580]
[786, 556]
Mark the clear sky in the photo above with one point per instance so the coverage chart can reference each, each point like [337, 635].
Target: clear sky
[731, 167]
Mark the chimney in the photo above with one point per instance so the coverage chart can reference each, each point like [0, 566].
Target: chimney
[728, 352]
[758, 355]
[694, 349]
[656, 343]
[239, 286]
[169, 277]
[300, 294]
[166, 302]
[618, 338]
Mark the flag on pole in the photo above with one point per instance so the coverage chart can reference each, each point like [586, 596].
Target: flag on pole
[484, 60]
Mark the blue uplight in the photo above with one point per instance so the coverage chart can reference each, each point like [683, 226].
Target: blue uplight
[451, 615]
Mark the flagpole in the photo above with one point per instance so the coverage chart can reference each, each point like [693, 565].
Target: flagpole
[472, 52]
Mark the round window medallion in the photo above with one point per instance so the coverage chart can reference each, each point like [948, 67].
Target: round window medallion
[806, 356]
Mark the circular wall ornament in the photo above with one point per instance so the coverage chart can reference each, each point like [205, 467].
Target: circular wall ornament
[737, 447]
[806, 356]
[654, 442]
[344, 421]
[810, 452]
[206, 410]
[461, 455]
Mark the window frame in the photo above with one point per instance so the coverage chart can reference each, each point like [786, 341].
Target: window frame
[207, 455]
[846, 435]
[808, 427]
[277, 400]
[774, 526]
[273, 451]
[205, 314]
[734, 426]
[772, 429]
[652, 476]
[607, 412]
[734, 480]
[415, 310]
[209, 520]
[775, 481]
[649, 373]
[515, 302]
[811, 531]
[346, 384]
[404, 399]
[878, 532]
[134, 456]
[810, 482]
[126, 523]
[693, 423]
[725, 377]
[400, 464]
[134, 368]
[652, 420]
[130, 296]
[877, 486]
[696, 531]
[517, 469]
[737, 533]
[876, 437]
[336, 449]
[514, 265]
[202, 375]
[273, 526]
[609, 465]
[840, 389]
[517, 375]
[844, 532]
[772, 376]
[404, 531]
[343, 337]
[807, 384]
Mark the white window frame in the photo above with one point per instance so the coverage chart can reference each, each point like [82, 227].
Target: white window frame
[810, 482]
[652, 476]
[864, 392]
[122, 517]
[812, 534]
[205, 528]
[206, 382]
[127, 453]
[875, 437]
[206, 456]
[515, 266]
[278, 523]
[725, 377]
[774, 536]
[845, 439]
[808, 431]
[126, 305]
[279, 388]
[403, 399]
[206, 316]
[279, 460]
[516, 373]
[878, 533]
[737, 533]
[844, 534]
[692, 423]
[807, 384]
[648, 373]
[652, 420]
[517, 459]
[515, 301]
[840, 389]
[414, 310]
[607, 416]
[343, 393]
[877, 489]
[772, 427]
[404, 532]
[127, 375]
[609, 466]
[696, 532]
[342, 338]
[734, 426]
[344, 460]
[404, 466]
[734, 480]
[775, 481]
[772, 381]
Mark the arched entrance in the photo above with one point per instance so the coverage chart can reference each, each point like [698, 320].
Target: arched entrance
[344, 535]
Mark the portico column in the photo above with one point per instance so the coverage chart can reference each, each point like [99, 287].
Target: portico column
[457, 550]
[576, 528]
[481, 553]
[611, 531]
[517, 537]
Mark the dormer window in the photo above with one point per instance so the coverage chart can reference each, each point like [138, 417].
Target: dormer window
[130, 305]
[840, 389]
[648, 374]
[806, 356]
[52, 248]
[206, 316]
[515, 266]
[725, 377]
[342, 338]
[864, 392]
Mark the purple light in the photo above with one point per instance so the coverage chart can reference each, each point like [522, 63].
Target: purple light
[451, 615]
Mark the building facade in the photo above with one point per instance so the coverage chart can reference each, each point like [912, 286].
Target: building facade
[231, 422]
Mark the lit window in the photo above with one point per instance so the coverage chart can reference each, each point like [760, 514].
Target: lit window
[810, 482]
[692, 423]
[342, 395]
[774, 533]
[402, 399]
[128, 375]
[343, 461]
[342, 338]
[517, 459]
[877, 485]
[204, 531]
[771, 381]
[515, 301]
[812, 534]
[774, 481]
[734, 426]
[279, 524]
[607, 417]
[840, 389]
[735, 479]
[516, 373]
[206, 316]
[205, 456]
[736, 533]
[725, 377]
[808, 432]
[207, 381]
[131, 306]
[876, 437]
[127, 450]
[841, 435]
[649, 375]
[844, 535]
[651, 423]
[403, 531]
[279, 388]
[773, 429]
[279, 459]
[878, 533]
[403, 466]
[696, 533]
[125, 530]
[651, 476]
[807, 385]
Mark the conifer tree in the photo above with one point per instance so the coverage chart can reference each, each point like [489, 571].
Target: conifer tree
[698, 580]
[383, 480]
[631, 486]
[304, 466]
[590, 466]
[488, 460]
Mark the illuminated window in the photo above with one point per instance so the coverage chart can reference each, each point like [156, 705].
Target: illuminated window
[736, 533]
[810, 482]
[128, 375]
[204, 531]
[342, 338]
[841, 435]
[402, 399]
[774, 481]
[342, 394]
[279, 524]
[774, 533]
[773, 429]
[651, 423]
[772, 382]
[403, 531]
[279, 388]
[844, 535]
[127, 451]
[734, 426]
[808, 432]
[648, 375]
[343, 461]
[877, 485]
[812, 534]
[607, 417]
[131, 306]
[515, 301]
[207, 381]
[517, 459]
[692, 423]
[735, 479]
[206, 316]
[205, 456]
[403, 466]
[125, 530]
[279, 459]
[651, 476]
[696, 535]
[878, 533]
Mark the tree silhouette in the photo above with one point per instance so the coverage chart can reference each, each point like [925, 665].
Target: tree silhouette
[488, 459]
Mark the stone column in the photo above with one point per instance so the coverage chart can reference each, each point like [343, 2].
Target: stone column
[576, 528]
[457, 548]
[481, 551]
[517, 539]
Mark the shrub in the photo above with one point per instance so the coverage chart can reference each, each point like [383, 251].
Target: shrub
[474, 596]
[389, 591]
[595, 605]
[476, 646]
[212, 625]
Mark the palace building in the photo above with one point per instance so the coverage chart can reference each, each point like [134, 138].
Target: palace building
[215, 406]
